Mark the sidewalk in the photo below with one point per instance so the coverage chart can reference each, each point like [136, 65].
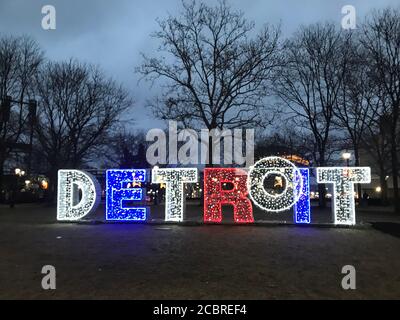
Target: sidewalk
[150, 261]
[194, 214]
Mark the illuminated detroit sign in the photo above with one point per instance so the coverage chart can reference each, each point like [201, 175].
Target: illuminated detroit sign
[79, 192]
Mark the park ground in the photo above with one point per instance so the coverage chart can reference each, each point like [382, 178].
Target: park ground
[268, 260]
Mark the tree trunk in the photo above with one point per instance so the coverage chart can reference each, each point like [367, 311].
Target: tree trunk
[52, 190]
[395, 171]
[210, 152]
[321, 195]
[357, 164]
[210, 148]
[383, 185]
[1, 174]
[321, 186]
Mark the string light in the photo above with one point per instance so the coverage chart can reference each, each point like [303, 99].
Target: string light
[174, 180]
[118, 193]
[343, 180]
[78, 191]
[69, 206]
[274, 166]
[301, 210]
[215, 196]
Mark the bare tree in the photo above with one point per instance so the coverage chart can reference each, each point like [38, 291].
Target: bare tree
[216, 68]
[309, 84]
[77, 108]
[381, 40]
[284, 141]
[376, 142]
[126, 149]
[358, 102]
[20, 58]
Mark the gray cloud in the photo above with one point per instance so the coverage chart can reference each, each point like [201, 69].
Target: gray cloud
[113, 33]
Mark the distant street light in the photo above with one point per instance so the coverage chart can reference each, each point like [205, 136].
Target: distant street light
[19, 172]
[346, 156]
[44, 184]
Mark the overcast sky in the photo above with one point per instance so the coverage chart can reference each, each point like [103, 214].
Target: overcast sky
[113, 33]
